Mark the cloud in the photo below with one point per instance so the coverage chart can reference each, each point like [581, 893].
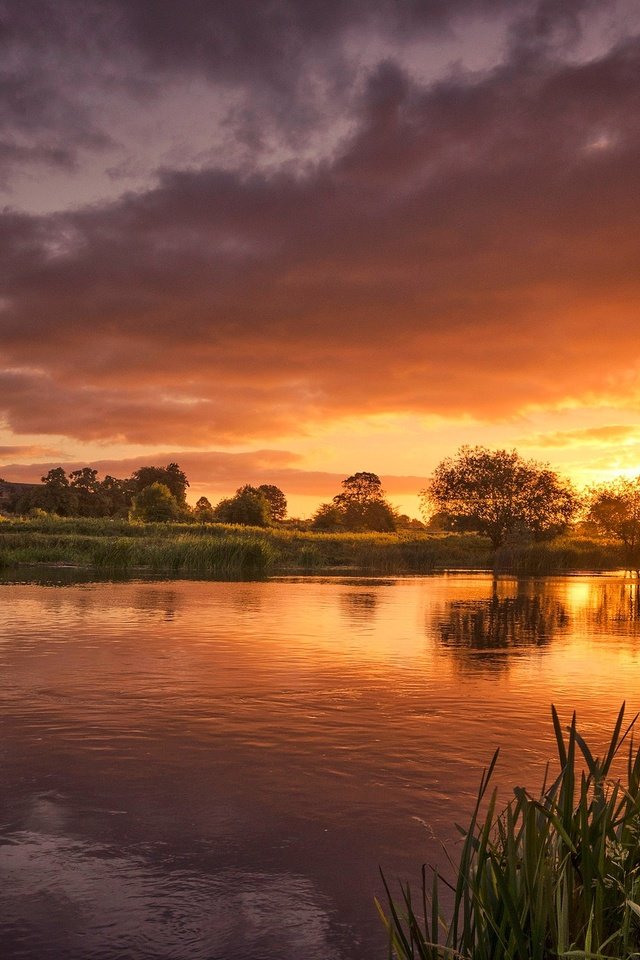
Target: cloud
[466, 254]
[78, 77]
[613, 435]
[23, 451]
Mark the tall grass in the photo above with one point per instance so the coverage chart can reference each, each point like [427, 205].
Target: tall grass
[556, 556]
[556, 875]
[74, 540]
[169, 551]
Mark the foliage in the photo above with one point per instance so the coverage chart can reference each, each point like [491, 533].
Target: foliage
[360, 507]
[57, 496]
[276, 500]
[203, 511]
[116, 495]
[505, 495]
[249, 507]
[556, 875]
[48, 537]
[615, 510]
[155, 503]
[327, 517]
[88, 490]
[171, 476]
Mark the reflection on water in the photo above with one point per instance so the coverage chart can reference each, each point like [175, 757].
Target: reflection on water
[195, 769]
[498, 621]
[359, 604]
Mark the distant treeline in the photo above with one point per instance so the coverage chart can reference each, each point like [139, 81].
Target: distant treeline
[157, 494]
[496, 493]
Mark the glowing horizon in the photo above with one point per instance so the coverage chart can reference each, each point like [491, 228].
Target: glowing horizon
[415, 230]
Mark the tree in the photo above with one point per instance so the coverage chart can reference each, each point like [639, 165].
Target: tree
[327, 518]
[155, 503]
[248, 507]
[171, 476]
[362, 504]
[504, 494]
[57, 495]
[88, 490]
[203, 511]
[615, 510]
[276, 500]
[117, 495]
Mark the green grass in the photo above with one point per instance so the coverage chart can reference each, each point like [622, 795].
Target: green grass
[207, 548]
[555, 875]
[121, 547]
[557, 556]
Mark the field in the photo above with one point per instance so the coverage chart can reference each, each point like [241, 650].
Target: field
[218, 550]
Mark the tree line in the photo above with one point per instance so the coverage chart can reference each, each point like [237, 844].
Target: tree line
[496, 493]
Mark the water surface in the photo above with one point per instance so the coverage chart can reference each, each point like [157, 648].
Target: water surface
[216, 770]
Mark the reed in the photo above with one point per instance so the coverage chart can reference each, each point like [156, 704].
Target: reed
[221, 557]
[75, 541]
[556, 556]
[557, 875]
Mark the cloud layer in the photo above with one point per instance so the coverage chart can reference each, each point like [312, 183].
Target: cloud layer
[468, 247]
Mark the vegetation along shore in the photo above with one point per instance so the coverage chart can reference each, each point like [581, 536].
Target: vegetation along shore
[482, 509]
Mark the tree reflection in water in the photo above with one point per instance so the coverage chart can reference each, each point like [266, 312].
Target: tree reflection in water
[502, 622]
[617, 604]
[360, 605]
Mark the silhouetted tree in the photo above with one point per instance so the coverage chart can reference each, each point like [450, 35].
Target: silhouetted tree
[505, 494]
[363, 506]
[276, 500]
[155, 503]
[328, 518]
[56, 495]
[203, 511]
[171, 476]
[90, 501]
[615, 509]
[248, 507]
[117, 495]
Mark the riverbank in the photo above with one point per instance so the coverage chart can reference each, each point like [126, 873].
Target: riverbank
[220, 550]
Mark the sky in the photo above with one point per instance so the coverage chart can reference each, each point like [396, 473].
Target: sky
[281, 242]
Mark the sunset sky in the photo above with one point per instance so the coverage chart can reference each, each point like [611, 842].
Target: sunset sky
[284, 241]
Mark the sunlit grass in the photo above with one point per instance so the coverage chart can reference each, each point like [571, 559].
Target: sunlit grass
[553, 875]
[556, 556]
[155, 547]
[127, 544]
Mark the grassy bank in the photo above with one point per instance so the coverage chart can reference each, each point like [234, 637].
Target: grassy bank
[129, 547]
[219, 550]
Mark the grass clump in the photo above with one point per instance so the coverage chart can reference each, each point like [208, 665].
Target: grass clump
[556, 875]
[557, 556]
[222, 557]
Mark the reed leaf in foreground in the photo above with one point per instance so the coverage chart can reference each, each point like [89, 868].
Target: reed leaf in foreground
[557, 875]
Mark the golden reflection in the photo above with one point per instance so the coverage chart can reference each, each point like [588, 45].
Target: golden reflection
[360, 605]
[500, 622]
[616, 604]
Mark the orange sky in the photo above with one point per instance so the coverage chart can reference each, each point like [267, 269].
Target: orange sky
[283, 245]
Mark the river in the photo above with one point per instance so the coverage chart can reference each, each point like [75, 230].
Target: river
[216, 771]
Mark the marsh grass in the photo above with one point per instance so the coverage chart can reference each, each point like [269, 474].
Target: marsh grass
[557, 875]
[124, 544]
[556, 556]
[120, 547]
[228, 556]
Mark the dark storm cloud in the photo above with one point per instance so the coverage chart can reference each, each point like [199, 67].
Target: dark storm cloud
[62, 61]
[472, 250]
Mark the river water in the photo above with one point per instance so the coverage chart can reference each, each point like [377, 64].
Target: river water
[217, 770]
